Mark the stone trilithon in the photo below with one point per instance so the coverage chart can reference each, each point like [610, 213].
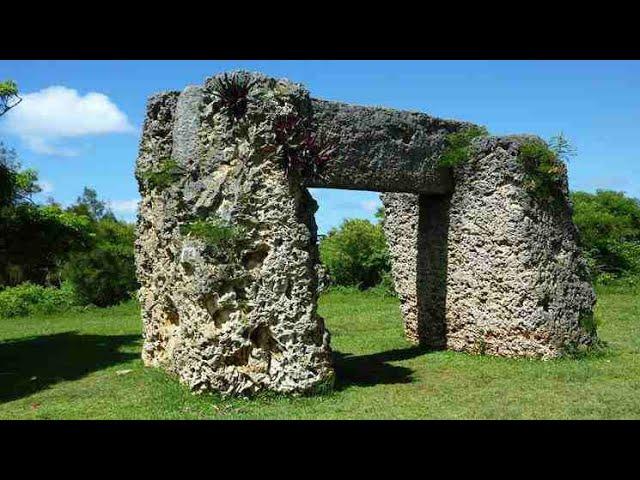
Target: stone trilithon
[227, 254]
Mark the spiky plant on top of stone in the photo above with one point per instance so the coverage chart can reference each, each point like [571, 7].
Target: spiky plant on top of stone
[231, 92]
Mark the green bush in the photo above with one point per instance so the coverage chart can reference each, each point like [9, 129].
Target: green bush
[609, 226]
[385, 288]
[104, 274]
[28, 298]
[34, 239]
[355, 254]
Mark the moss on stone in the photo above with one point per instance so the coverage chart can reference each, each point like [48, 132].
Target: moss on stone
[457, 145]
[544, 170]
[163, 175]
[218, 234]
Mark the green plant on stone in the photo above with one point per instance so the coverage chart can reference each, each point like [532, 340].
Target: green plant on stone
[219, 235]
[164, 174]
[544, 169]
[563, 149]
[457, 145]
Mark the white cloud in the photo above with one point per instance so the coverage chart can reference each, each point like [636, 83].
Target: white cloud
[57, 113]
[370, 205]
[124, 206]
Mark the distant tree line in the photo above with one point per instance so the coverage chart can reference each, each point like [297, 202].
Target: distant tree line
[48, 245]
[609, 226]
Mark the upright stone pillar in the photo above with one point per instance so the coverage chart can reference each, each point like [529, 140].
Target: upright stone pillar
[494, 268]
[517, 283]
[226, 249]
[416, 228]
[401, 227]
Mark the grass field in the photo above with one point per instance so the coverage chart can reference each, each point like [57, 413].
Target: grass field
[85, 365]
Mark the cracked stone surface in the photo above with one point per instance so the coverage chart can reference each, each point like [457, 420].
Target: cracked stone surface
[478, 263]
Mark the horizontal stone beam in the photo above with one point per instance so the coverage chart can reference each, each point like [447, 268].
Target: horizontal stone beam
[381, 149]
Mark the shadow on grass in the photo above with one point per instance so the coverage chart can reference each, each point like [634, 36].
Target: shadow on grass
[373, 369]
[31, 364]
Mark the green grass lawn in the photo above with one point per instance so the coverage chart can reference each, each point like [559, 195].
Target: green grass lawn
[86, 365]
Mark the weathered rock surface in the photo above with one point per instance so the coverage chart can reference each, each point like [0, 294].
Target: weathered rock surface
[513, 281]
[417, 234]
[243, 319]
[382, 149]
[226, 247]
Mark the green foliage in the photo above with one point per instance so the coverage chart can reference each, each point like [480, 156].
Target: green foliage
[457, 145]
[8, 87]
[167, 172]
[36, 240]
[219, 235]
[610, 283]
[588, 322]
[609, 226]
[104, 273]
[355, 254]
[386, 287]
[231, 92]
[43, 244]
[563, 149]
[28, 299]
[9, 97]
[16, 185]
[88, 205]
[545, 170]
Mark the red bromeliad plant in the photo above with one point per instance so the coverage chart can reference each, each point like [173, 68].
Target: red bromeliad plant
[299, 146]
[231, 92]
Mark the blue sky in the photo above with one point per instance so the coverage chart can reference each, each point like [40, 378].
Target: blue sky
[93, 139]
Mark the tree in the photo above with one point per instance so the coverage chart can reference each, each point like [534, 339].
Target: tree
[355, 253]
[34, 240]
[9, 97]
[104, 273]
[609, 226]
[563, 149]
[380, 214]
[88, 204]
[16, 185]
